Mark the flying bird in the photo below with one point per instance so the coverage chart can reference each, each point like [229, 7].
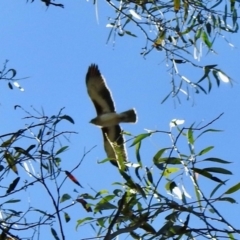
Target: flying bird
[107, 118]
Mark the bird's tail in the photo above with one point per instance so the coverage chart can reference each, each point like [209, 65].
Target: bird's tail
[129, 116]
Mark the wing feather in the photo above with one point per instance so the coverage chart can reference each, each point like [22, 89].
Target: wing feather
[98, 91]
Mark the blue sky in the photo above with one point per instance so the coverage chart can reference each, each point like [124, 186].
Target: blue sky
[54, 47]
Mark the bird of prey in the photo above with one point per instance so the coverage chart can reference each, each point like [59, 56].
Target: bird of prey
[107, 118]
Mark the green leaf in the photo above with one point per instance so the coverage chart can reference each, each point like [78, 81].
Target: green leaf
[208, 130]
[13, 201]
[103, 205]
[11, 162]
[218, 160]
[62, 149]
[148, 228]
[170, 160]
[54, 233]
[207, 175]
[228, 199]
[217, 170]
[67, 217]
[101, 221]
[190, 136]
[79, 222]
[216, 188]
[23, 151]
[159, 154]
[169, 171]
[65, 197]
[101, 193]
[233, 189]
[177, 4]
[205, 150]
[13, 185]
[138, 146]
[139, 138]
[206, 40]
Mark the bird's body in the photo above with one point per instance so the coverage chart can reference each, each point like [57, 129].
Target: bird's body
[107, 118]
[112, 119]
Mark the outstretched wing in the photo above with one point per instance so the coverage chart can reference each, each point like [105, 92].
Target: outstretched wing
[103, 102]
[98, 91]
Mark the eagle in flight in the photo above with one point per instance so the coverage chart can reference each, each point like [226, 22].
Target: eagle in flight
[107, 118]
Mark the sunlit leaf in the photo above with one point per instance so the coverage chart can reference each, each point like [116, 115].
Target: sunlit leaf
[206, 40]
[205, 150]
[11, 162]
[223, 77]
[168, 171]
[177, 4]
[134, 14]
[81, 221]
[190, 136]
[139, 138]
[102, 192]
[233, 189]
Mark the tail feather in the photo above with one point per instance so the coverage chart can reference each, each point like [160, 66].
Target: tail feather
[129, 116]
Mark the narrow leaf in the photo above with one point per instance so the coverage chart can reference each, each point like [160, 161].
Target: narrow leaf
[217, 170]
[13, 185]
[65, 197]
[54, 233]
[70, 176]
[139, 138]
[68, 118]
[233, 189]
[84, 204]
[67, 217]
